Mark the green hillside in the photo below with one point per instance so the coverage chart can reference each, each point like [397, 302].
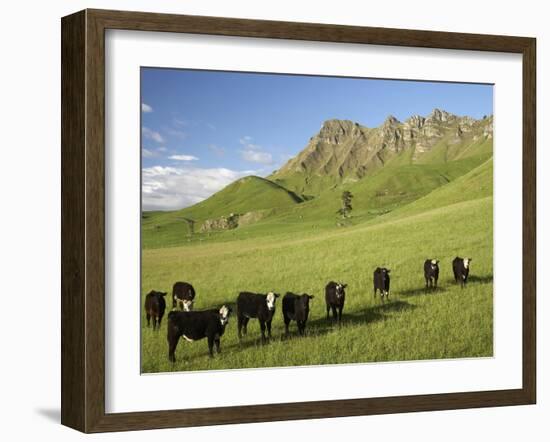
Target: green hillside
[385, 168]
[246, 195]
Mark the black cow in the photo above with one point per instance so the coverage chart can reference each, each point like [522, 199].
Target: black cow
[195, 325]
[381, 280]
[461, 269]
[431, 272]
[183, 295]
[155, 305]
[296, 308]
[255, 305]
[335, 297]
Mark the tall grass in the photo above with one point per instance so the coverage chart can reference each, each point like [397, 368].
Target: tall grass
[415, 324]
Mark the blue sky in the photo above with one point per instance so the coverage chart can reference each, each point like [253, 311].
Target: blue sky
[202, 130]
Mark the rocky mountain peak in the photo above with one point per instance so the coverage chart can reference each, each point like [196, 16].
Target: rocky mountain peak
[334, 130]
[415, 121]
[391, 121]
[343, 149]
[439, 115]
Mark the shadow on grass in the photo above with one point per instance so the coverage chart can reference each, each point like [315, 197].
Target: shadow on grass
[369, 315]
[448, 283]
[485, 279]
[422, 291]
[315, 328]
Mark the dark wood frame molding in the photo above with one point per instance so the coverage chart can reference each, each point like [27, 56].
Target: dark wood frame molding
[83, 216]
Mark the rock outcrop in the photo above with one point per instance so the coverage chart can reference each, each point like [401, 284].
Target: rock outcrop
[347, 150]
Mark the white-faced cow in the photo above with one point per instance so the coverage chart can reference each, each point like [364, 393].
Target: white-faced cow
[381, 281]
[255, 305]
[183, 295]
[195, 325]
[461, 270]
[296, 308]
[335, 297]
[431, 273]
[155, 305]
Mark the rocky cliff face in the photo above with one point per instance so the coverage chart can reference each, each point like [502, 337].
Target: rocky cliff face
[345, 149]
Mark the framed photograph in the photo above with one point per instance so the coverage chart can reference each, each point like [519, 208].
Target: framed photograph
[267, 220]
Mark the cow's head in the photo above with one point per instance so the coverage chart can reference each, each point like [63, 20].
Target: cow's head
[187, 305]
[157, 294]
[224, 314]
[467, 262]
[340, 290]
[304, 300]
[434, 263]
[270, 300]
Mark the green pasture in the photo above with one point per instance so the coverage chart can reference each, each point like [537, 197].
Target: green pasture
[299, 247]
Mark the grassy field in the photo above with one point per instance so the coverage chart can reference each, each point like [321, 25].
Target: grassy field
[287, 252]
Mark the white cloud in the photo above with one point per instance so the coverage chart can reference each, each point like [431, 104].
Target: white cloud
[170, 188]
[175, 133]
[146, 153]
[217, 150]
[146, 108]
[180, 122]
[183, 158]
[254, 153]
[152, 135]
[254, 156]
[246, 141]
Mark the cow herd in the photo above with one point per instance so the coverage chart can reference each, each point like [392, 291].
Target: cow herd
[184, 322]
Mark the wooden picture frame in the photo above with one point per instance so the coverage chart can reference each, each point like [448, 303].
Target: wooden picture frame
[83, 219]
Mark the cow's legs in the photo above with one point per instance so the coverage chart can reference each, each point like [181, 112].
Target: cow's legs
[301, 327]
[172, 344]
[245, 325]
[240, 321]
[158, 322]
[211, 346]
[340, 308]
[287, 322]
[262, 327]
[269, 329]
[148, 320]
[217, 342]
[328, 312]
[334, 313]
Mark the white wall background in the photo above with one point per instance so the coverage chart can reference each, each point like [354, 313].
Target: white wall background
[30, 216]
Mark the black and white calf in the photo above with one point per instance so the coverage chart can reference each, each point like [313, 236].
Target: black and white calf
[296, 308]
[461, 269]
[381, 281]
[155, 305]
[255, 305]
[195, 325]
[431, 272]
[335, 297]
[183, 295]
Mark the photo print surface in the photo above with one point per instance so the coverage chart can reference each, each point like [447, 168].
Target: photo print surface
[300, 220]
